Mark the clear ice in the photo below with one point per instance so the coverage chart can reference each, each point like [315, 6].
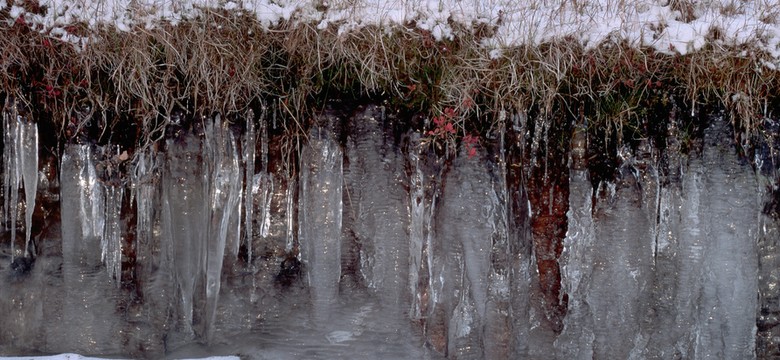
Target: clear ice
[391, 251]
[20, 171]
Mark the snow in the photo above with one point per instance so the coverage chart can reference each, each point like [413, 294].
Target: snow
[650, 23]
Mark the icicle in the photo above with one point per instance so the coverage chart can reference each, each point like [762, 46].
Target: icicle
[185, 218]
[111, 239]
[111, 242]
[7, 170]
[435, 284]
[237, 221]
[266, 187]
[140, 180]
[83, 208]
[20, 162]
[92, 197]
[416, 234]
[577, 260]
[28, 156]
[290, 206]
[427, 291]
[15, 184]
[224, 177]
[145, 180]
[12, 170]
[421, 236]
[496, 318]
[264, 143]
[70, 201]
[84, 304]
[249, 160]
[376, 202]
[7, 155]
[266, 182]
[100, 206]
[320, 218]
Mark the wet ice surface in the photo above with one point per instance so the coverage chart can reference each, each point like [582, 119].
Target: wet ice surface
[358, 328]
[681, 286]
[400, 257]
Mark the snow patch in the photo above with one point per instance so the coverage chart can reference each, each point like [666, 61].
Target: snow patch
[650, 23]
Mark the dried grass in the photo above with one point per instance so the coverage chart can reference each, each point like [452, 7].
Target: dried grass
[225, 62]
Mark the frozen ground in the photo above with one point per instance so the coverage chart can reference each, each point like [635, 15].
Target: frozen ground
[642, 23]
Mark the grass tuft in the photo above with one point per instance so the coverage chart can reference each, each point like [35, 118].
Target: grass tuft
[225, 61]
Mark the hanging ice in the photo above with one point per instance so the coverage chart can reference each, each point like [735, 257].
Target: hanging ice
[145, 181]
[576, 340]
[111, 235]
[377, 199]
[419, 227]
[289, 198]
[320, 218]
[264, 184]
[426, 260]
[10, 173]
[224, 186]
[111, 240]
[621, 261]
[99, 208]
[29, 167]
[264, 188]
[202, 192]
[497, 316]
[20, 171]
[249, 174]
[85, 304]
[664, 266]
[466, 226]
[725, 285]
[185, 219]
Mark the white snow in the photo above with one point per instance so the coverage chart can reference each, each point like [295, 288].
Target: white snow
[651, 23]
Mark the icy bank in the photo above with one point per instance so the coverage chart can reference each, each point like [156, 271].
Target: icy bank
[373, 245]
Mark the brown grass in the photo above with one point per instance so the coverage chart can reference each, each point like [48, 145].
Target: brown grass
[224, 62]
